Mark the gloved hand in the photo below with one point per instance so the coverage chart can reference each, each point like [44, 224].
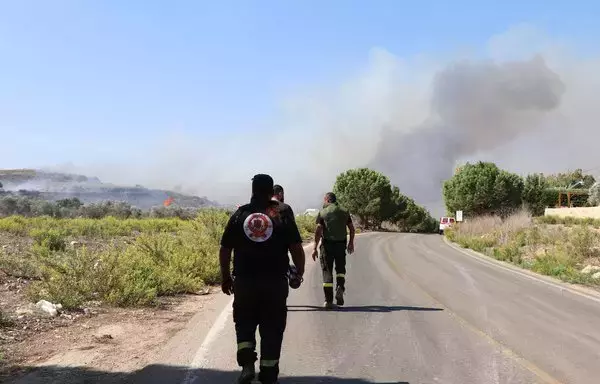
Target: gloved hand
[227, 285]
[351, 248]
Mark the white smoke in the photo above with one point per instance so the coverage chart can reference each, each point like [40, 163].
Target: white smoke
[529, 106]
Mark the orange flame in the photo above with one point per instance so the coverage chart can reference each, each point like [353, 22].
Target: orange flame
[169, 201]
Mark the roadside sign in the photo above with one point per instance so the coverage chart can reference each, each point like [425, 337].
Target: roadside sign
[459, 216]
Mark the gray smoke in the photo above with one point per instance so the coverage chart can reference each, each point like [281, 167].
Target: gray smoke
[413, 118]
[474, 107]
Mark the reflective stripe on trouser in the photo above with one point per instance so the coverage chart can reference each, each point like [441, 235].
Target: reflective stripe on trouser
[269, 371]
[333, 254]
[260, 303]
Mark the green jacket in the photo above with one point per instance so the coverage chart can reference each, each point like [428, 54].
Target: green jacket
[334, 220]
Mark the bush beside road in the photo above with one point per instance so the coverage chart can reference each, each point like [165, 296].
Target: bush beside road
[123, 262]
[106, 265]
[568, 249]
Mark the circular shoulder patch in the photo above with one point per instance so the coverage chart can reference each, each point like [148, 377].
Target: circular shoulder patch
[258, 227]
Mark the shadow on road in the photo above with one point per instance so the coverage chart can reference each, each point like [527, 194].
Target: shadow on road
[364, 308]
[155, 374]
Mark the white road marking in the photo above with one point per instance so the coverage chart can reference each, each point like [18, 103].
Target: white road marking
[200, 359]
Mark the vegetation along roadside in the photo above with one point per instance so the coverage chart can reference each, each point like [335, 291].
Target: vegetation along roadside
[504, 219]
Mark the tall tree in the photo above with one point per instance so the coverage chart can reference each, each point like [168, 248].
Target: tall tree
[535, 194]
[574, 179]
[369, 195]
[482, 188]
[366, 193]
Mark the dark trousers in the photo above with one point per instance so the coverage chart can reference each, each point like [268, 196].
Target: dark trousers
[333, 253]
[260, 302]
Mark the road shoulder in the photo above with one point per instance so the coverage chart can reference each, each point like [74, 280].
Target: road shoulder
[120, 340]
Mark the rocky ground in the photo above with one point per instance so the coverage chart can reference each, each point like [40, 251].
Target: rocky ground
[95, 336]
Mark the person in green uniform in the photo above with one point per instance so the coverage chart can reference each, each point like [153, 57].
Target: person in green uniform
[333, 225]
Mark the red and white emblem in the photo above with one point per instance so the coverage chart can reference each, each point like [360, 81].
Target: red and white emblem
[258, 227]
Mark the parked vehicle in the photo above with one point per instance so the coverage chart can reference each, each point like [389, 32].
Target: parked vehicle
[311, 212]
[446, 222]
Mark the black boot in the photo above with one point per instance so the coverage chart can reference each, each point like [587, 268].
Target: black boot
[248, 374]
[328, 296]
[339, 295]
[268, 375]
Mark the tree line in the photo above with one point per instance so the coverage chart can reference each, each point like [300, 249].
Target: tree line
[483, 188]
[28, 206]
[370, 196]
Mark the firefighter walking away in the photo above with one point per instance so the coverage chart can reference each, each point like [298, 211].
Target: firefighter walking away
[260, 234]
[333, 225]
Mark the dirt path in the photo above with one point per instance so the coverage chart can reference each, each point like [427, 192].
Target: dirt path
[108, 340]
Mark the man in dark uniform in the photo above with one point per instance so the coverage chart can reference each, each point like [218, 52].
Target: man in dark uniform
[332, 222]
[278, 195]
[260, 233]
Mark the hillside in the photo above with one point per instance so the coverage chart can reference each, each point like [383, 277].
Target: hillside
[54, 186]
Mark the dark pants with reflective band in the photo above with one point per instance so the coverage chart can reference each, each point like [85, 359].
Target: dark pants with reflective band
[260, 302]
[333, 253]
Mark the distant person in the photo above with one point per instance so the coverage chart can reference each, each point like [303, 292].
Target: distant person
[332, 222]
[278, 194]
[260, 234]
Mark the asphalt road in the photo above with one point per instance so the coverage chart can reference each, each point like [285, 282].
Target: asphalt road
[417, 311]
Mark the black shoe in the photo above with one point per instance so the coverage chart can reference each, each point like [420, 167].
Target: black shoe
[268, 375]
[328, 305]
[339, 296]
[248, 374]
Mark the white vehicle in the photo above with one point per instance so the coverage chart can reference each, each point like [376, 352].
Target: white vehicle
[311, 212]
[445, 222]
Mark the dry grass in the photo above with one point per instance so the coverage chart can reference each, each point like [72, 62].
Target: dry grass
[125, 262]
[569, 221]
[485, 225]
[555, 250]
[485, 232]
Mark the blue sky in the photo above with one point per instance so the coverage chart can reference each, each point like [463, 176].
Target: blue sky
[86, 81]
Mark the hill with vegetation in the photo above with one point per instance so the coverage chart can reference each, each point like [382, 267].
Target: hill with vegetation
[55, 186]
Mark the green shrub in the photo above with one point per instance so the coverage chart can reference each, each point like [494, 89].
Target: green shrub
[155, 265]
[51, 239]
[479, 244]
[557, 263]
[582, 241]
[74, 276]
[16, 225]
[22, 265]
[163, 264]
[511, 253]
[168, 256]
[307, 226]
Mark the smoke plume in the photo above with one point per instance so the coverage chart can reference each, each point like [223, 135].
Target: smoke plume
[475, 107]
[528, 105]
